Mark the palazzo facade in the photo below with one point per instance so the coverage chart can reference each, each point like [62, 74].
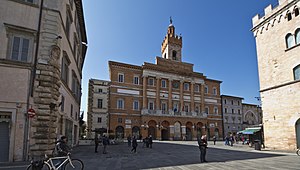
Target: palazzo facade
[167, 100]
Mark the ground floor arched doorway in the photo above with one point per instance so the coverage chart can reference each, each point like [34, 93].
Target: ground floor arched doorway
[216, 133]
[189, 134]
[119, 132]
[199, 133]
[297, 126]
[152, 132]
[164, 134]
[177, 131]
[136, 132]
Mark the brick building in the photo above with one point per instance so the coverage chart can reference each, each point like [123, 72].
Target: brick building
[167, 100]
[277, 36]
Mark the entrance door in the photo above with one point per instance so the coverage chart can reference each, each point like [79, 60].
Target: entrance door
[164, 134]
[151, 131]
[4, 141]
[298, 133]
[189, 135]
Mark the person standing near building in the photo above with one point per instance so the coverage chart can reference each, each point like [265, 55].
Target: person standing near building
[96, 143]
[105, 142]
[150, 141]
[214, 139]
[134, 144]
[129, 140]
[202, 146]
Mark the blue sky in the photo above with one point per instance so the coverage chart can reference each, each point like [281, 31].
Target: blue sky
[216, 38]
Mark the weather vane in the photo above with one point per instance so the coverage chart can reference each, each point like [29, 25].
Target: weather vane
[171, 21]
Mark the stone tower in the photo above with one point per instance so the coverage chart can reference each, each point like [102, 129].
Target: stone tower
[277, 36]
[171, 45]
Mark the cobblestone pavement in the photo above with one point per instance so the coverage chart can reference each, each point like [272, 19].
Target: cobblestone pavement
[179, 155]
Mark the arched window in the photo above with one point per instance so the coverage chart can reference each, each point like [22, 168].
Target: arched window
[297, 35]
[174, 53]
[297, 72]
[289, 16]
[296, 12]
[165, 55]
[289, 38]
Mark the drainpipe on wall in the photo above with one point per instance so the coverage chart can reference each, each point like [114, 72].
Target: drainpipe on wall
[31, 85]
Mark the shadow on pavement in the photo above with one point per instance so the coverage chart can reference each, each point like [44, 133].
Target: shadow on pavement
[161, 155]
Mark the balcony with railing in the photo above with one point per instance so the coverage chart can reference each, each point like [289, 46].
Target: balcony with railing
[172, 113]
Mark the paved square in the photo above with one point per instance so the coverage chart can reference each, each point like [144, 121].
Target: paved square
[179, 155]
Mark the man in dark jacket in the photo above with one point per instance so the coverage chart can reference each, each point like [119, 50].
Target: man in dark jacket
[96, 143]
[202, 146]
[105, 142]
[134, 144]
[62, 148]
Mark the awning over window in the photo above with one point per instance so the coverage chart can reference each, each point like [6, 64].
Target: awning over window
[250, 131]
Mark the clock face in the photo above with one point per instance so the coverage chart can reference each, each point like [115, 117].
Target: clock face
[175, 85]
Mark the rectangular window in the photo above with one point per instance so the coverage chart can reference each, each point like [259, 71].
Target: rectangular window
[215, 91]
[100, 103]
[100, 90]
[175, 107]
[71, 110]
[68, 23]
[215, 110]
[225, 110]
[151, 106]
[151, 81]
[186, 108]
[197, 109]
[164, 106]
[21, 48]
[136, 80]
[99, 119]
[207, 110]
[239, 112]
[119, 120]
[232, 111]
[163, 84]
[225, 101]
[121, 78]
[65, 68]
[136, 105]
[197, 88]
[206, 90]
[232, 102]
[62, 106]
[120, 104]
[186, 86]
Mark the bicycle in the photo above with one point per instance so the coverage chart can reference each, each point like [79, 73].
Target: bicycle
[66, 163]
[298, 151]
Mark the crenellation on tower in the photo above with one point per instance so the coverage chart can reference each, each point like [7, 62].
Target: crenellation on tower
[273, 15]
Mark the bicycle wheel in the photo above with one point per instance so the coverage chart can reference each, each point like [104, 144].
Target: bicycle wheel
[45, 167]
[298, 152]
[76, 164]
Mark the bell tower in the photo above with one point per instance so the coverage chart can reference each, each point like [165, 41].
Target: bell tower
[171, 45]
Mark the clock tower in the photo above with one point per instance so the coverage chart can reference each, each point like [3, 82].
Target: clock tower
[171, 45]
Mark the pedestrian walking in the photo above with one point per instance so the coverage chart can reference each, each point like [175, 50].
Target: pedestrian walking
[202, 146]
[150, 141]
[147, 142]
[129, 140]
[96, 143]
[214, 139]
[134, 144]
[105, 142]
